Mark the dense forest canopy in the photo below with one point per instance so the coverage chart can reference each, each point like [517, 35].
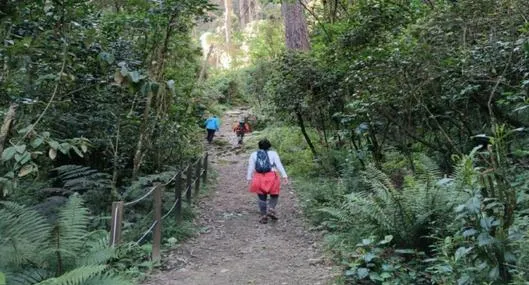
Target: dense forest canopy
[404, 121]
[412, 115]
[99, 99]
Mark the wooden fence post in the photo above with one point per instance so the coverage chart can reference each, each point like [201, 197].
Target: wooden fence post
[205, 175]
[189, 181]
[197, 176]
[157, 232]
[115, 227]
[178, 196]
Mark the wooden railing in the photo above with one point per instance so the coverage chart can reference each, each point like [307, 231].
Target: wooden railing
[193, 173]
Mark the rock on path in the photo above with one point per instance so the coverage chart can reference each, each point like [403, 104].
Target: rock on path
[234, 248]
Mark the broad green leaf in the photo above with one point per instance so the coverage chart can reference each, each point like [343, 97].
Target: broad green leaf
[25, 130]
[369, 256]
[54, 144]
[469, 232]
[26, 157]
[2, 279]
[20, 148]
[362, 272]
[387, 239]
[52, 153]
[36, 142]
[106, 57]
[485, 239]
[124, 71]
[135, 76]
[8, 153]
[77, 151]
[461, 252]
[25, 170]
[64, 148]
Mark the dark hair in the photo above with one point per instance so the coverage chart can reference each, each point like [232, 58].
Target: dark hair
[264, 144]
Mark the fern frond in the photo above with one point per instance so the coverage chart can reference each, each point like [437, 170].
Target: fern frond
[377, 179]
[28, 276]
[368, 207]
[107, 279]
[98, 253]
[70, 231]
[23, 232]
[334, 213]
[80, 178]
[77, 276]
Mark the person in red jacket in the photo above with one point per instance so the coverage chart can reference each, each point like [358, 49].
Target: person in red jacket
[240, 129]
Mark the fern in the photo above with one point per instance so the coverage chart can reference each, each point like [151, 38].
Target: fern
[68, 233]
[77, 276]
[22, 233]
[33, 251]
[81, 179]
[28, 276]
[407, 213]
[98, 253]
[107, 279]
[94, 186]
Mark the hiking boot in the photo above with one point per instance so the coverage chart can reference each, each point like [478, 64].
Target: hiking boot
[272, 214]
[263, 220]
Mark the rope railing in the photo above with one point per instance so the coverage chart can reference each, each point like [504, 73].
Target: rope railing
[147, 232]
[141, 198]
[194, 172]
[171, 210]
[165, 184]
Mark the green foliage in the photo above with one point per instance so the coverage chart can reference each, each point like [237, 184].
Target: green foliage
[64, 252]
[408, 214]
[94, 186]
[381, 264]
[387, 84]
[266, 39]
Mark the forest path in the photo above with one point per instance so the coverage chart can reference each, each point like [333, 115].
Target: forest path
[233, 248]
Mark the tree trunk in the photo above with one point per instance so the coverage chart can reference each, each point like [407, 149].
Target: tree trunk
[8, 120]
[138, 156]
[252, 10]
[296, 33]
[205, 64]
[244, 13]
[227, 20]
[301, 124]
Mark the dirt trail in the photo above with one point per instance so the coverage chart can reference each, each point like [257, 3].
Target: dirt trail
[234, 248]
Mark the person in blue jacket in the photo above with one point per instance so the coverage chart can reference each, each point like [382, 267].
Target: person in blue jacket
[212, 126]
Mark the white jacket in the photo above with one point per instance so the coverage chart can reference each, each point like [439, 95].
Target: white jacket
[274, 161]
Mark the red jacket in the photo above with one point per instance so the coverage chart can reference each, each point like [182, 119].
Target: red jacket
[244, 128]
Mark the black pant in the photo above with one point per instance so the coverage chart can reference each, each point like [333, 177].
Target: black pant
[211, 134]
[263, 197]
[263, 205]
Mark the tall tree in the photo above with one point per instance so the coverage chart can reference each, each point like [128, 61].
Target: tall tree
[297, 39]
[244, 12]
[296, 33]
[227, 20]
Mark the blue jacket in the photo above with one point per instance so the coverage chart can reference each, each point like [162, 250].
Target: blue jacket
[213, 123]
